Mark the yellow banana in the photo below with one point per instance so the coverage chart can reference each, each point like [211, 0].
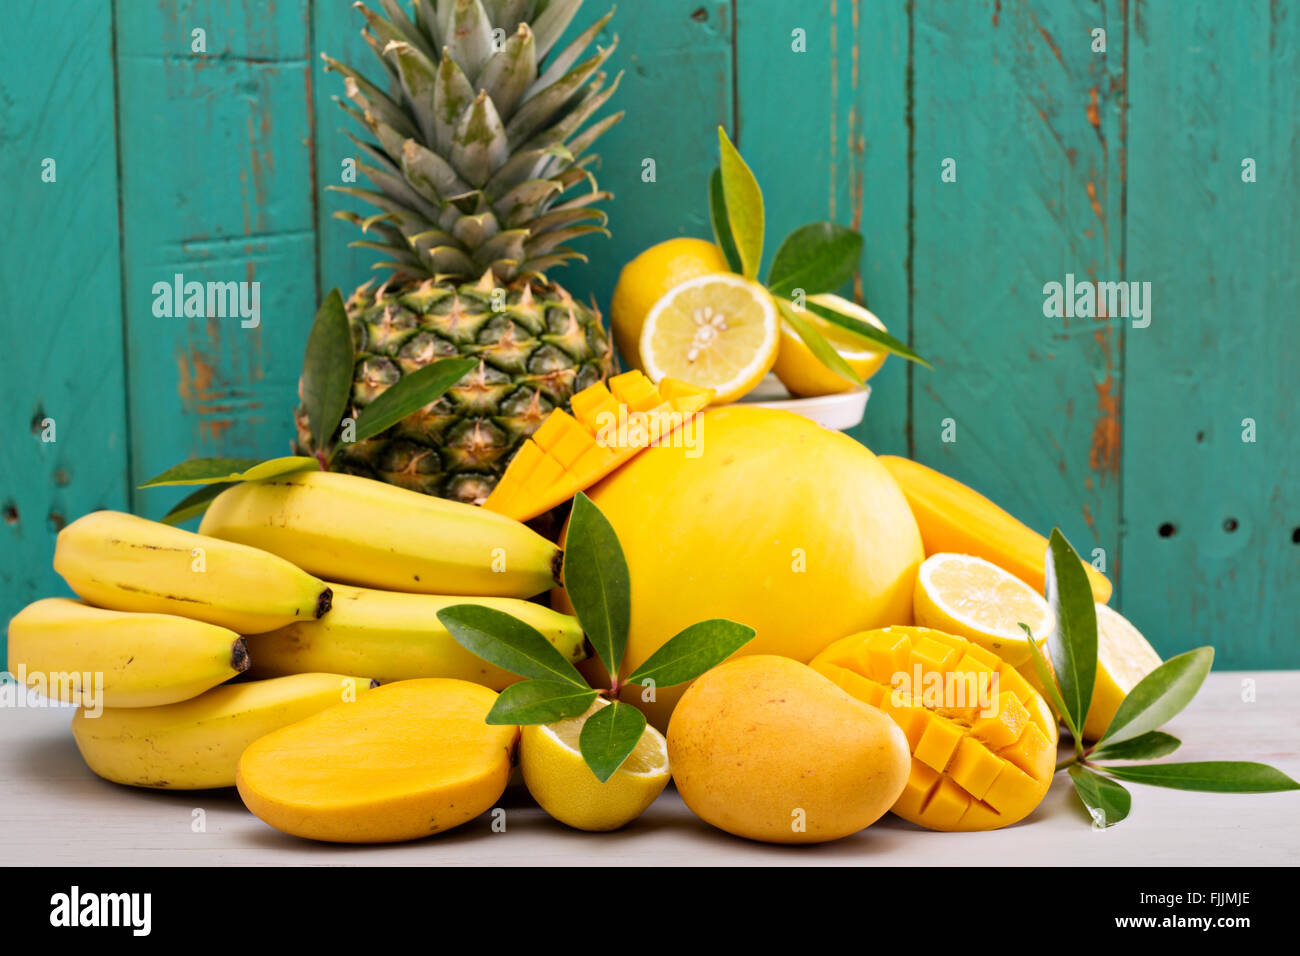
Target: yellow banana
[86, 655]
[196, 744]
[127, 563]
[393, 636]
[367, 533]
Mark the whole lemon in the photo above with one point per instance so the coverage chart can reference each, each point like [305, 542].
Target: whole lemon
[646, 278]
[765, 518]
[767, 748]
[803, 373]
[564, 786]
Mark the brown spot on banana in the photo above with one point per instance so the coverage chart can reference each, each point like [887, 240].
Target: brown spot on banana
[324, 602]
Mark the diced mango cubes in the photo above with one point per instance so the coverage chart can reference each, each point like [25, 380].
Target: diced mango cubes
[983, 741]
[608, 427]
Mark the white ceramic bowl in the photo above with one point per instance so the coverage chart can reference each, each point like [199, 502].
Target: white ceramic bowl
[837, 412]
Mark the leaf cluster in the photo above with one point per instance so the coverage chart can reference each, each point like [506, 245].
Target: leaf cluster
[597, 582]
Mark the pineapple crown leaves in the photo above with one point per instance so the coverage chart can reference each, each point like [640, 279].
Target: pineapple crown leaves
[596, 580]
[816, 258]
[1134, 732]
[482, 138]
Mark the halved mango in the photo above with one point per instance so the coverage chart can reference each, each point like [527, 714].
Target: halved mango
[401, 762]
[983, 741]
[608, 427]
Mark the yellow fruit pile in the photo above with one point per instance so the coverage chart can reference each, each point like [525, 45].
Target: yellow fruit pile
[167, 617]
[889, 671]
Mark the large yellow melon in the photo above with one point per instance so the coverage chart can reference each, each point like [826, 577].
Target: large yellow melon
[769, 520]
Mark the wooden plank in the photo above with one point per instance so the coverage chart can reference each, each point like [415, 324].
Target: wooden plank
[675, 56]
[825, 130]
[216, 186]
[336, 31]
[1208, 91]
[60, 280]
[1014, 94]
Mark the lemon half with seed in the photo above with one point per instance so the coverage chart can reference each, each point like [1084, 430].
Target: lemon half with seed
[972, 598]
[715, 331]
[562, 783]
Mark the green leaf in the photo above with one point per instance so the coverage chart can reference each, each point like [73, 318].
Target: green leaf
[1107, 802]
[539, 702]
[1073, 645]
[327, 369]
[203, 471]
[1149, 746]
[608, 736]
[692, 652]
[597, 582]
[722, 223]
[192, 505]
[878, 339]
[1160, 695]
[1048, 680]
[818, 257]
[817, 344]
[509, 643]
[1211, 776]
[744, 206]
[410, 394]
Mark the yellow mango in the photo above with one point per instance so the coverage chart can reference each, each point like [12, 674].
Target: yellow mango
[766, 748]
[982, 740]
[609, 426]
[401, 762]
[955, 518]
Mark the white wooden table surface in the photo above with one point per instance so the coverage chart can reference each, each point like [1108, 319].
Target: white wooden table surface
[54, 811]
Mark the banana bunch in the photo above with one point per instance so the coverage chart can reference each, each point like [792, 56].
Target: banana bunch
[196, 744]
[86, 655]
[368, 533]
[127, 563]
[393, 636]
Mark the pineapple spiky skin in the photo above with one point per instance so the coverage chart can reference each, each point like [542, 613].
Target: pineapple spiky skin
[535, 345]
[480, 158]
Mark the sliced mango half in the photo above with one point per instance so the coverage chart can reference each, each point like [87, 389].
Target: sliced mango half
[608, 427]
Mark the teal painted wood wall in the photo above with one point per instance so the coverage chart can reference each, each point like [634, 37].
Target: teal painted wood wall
[1117, 165]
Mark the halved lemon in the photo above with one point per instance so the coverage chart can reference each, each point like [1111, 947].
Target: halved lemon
[715, 331]
[564, 786]
[1124, 657]
[972, 598]
[803, 373]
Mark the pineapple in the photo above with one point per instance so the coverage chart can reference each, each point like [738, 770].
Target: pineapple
[480, 162]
